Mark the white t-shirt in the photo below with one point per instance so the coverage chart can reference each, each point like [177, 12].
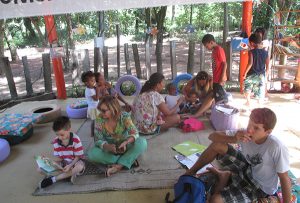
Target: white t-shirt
[89, 92]
[171, 101]
[267, 159]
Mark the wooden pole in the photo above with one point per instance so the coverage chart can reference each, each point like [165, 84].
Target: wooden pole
[202, 57]
[126, 56]
[29, 89]
[86, 61]
[148, 58]
[96, 59]
[105, 62]
[228, 51]
[9, 77]
[47, 72]
[137, 60]
[173, 59]
[118, 50]
[191, 57]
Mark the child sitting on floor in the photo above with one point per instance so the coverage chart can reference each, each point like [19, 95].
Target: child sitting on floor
[92, 92]
[171, 99]
[255, 170]
[193, 105]
[106, 89]
[68, 150]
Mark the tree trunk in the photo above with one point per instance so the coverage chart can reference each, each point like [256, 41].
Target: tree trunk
[160, 16]
[37, 27]
[12, 48]
[225, 29]
[191, 15]
[270, 16]
[173, 15]
[101, 23]
[27, 24]
[2, 22]
[70, 43]
[148, 23]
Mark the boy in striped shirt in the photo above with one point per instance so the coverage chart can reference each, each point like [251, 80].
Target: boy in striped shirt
[68, 150]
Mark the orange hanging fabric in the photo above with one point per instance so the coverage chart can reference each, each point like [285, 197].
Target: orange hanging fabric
[246, 27]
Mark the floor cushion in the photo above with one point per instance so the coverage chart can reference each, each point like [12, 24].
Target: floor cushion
[16, 128]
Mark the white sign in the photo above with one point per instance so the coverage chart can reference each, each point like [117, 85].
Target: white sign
[26, 8]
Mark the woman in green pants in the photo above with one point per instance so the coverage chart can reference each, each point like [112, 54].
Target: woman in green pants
[117, 142]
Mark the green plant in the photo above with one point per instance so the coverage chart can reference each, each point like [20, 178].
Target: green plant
[76, 91]
[128, 88]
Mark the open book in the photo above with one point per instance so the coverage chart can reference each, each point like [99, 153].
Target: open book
[188, 148]
[190, 160]
[46, 164]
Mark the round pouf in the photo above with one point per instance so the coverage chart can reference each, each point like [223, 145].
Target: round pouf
[4, 149]
[184, 76]
[131, 78]
[76, 113]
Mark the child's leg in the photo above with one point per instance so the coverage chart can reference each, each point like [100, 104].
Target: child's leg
[247, 89]
[77, 170]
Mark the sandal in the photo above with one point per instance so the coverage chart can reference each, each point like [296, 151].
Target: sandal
[135, 164]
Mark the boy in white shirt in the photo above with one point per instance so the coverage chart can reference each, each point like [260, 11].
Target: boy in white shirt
[253, 171]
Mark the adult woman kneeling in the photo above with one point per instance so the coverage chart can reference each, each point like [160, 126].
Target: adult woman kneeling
[117, 141]
[151, 113]
[202, 84]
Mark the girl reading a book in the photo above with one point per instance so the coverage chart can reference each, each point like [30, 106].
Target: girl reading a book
[117, 141]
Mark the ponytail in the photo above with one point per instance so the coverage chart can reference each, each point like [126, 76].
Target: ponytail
[154, 79]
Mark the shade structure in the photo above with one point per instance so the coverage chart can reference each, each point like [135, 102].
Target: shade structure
[26, 8]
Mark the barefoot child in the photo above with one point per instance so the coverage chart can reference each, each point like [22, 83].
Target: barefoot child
[255, 170]
[92, 93]
[68, 151]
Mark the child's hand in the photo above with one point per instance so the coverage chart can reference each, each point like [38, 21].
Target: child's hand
[242, 136]
[67, 168]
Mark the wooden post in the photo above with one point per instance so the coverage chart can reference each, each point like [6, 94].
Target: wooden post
[86, 61]
[202, 57]
[29, 89]
[137, 60]
[173, 59]
[118, 50]
[105, 62]
[126, 56]
[148, 58]
[96, 59]
[47, 72]
[228, 51]
[191, 56]
[282, 61]
[9, 77]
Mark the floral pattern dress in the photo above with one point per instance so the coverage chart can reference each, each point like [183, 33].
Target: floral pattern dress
[124, 129]
[145, 111]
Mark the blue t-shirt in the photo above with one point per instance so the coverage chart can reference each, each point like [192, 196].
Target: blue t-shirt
[259, 61]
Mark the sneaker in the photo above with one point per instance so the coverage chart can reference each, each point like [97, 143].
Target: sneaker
[46, 182]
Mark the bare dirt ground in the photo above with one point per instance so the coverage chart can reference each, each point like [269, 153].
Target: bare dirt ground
[34, 56]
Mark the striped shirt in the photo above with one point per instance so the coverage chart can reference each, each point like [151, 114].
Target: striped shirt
[68, 153]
